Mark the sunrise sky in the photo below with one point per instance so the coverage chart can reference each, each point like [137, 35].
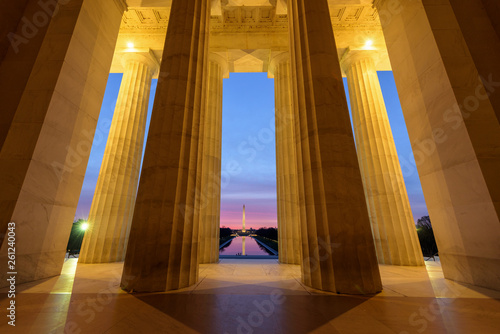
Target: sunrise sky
[248, 149]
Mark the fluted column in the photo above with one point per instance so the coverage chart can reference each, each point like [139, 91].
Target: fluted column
[211, 145]
[447, 87]
[338, 252]
[163, 252]
[114, 198]
[52, 90]
[393, 226]
[286, 163]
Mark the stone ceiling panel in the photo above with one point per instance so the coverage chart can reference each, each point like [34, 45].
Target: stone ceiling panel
[245, 61]
[251, 25]
[248, 2]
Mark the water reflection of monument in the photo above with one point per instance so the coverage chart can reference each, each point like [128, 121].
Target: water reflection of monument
[245, 246]
[237, 246]
[243, 241]
[243, 231]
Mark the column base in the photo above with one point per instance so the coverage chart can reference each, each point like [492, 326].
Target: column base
[149, 288]
[478, 271]
[33, 267]
[354, 290]
[101, 261]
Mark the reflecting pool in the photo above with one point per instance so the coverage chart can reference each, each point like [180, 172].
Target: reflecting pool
[244, 246]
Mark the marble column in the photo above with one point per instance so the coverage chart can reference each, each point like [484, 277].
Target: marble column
[10, 16]
[114, 198]
[482, 18]
[447, 95]
[18, 52]
[338, 252]
[163, 252]
[55, 107]
[286, 162]
[393, 226]
[211, 145]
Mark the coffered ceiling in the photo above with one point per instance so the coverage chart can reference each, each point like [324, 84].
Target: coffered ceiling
[248, 32]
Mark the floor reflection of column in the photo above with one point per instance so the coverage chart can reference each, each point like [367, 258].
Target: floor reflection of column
[101, 299]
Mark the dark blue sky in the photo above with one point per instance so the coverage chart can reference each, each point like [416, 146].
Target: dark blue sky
[248, 148]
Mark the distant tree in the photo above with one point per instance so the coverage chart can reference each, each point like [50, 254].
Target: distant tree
[425, 221]
[76, 236]
[426, 236]
[225, 232]
[268, 232]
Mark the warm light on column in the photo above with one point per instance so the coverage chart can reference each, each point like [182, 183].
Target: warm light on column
[391, 218]
[287, 188]
[113, 204]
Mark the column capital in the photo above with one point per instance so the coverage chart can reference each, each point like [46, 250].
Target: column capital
[215, 8]
[144, 56]
[215, 57]
[276, 60]
[105, 241]
[281, 7]
[351, 57]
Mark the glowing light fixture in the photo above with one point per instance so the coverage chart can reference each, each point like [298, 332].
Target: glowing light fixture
[130, 45]
[369, 43]
[84, 226]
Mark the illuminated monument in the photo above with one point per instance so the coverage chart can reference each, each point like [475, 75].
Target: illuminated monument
[444, 56]
[243, 220]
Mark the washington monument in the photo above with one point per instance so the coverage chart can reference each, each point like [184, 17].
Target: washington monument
[243, 229]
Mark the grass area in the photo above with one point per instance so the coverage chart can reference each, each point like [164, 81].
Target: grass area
[273, 244]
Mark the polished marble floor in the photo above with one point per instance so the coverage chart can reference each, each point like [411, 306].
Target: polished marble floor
[250, 297]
